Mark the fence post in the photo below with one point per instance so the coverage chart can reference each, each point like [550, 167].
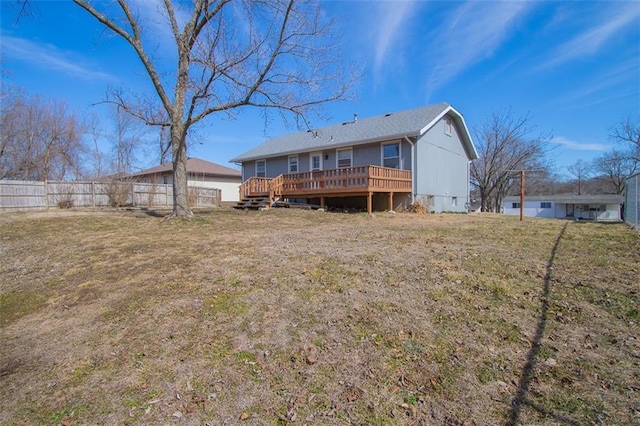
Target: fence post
[93, 194]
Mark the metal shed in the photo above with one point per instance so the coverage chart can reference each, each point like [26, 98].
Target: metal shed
[632, 201]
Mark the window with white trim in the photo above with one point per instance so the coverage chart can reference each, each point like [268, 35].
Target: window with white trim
[344, 158]
[545, 205]
[391, 155]
[515, 205]
[293, 164]
[454, 201]
[261, 168]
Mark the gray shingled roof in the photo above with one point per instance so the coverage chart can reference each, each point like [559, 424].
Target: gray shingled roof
[194, 166]
[389, 126]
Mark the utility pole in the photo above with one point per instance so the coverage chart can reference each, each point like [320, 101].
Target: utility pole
[521, 171]
[521, 194]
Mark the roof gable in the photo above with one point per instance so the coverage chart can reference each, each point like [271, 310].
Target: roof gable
[410, 123]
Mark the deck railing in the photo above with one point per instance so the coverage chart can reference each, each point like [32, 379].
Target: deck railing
[254, 186]
[325, 182]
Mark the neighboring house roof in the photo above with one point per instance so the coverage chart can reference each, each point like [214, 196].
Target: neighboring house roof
[194, 166]
[410, 123]
[570, 198]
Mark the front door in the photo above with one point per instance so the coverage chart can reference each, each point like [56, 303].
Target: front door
[315, 165]
[316, 161]
[570, 210]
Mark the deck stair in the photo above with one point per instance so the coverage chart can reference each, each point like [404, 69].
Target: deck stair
[253, 203]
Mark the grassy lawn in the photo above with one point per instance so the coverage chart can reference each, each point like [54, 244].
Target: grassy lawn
[279, 317]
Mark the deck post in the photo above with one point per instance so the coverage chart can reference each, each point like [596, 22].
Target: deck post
[391, 201]
[322, 202]
[369, 202]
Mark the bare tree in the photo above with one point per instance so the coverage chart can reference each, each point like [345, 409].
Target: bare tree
[614, 168]
[40, 140]
[580, 170]
[275, 54]
[627, 133]
[9, 114]
[505, 143]
[127, 140]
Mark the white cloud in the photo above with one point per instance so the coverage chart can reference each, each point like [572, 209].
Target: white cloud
[48, 56]
[578, 146]
[601, 88]
[473, 32]
[595, 37]
[391, 21]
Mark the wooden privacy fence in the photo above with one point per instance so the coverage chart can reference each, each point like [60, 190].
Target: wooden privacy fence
[27, 195]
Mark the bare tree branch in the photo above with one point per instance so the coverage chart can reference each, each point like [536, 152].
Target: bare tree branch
[505, 143]
[274, 55]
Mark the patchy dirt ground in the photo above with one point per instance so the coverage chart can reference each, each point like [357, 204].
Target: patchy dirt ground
[278, 317]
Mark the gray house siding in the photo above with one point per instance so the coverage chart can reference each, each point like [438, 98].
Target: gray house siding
[371, 154]
[248, 170]
[439, 181]
[363, 155]
[274, 167]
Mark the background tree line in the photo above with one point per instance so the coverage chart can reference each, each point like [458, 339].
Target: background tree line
[45, 140]
[508, 143]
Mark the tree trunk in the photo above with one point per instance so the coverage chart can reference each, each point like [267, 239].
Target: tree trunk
[180, 190]
[179, 135]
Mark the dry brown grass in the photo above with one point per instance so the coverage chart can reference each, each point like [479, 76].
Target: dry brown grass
[303, 317]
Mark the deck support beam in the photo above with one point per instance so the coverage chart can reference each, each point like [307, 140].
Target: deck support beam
[322, 202]
[391, 201]
[369, 202]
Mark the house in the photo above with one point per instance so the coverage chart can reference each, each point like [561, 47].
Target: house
[632, 201]
[200, 173]
[378, 163]
[604, 207]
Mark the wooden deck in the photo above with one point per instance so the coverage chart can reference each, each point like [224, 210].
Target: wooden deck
[344, 182]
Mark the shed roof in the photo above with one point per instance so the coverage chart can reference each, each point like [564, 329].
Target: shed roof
[571, 198]
[410, 123]
[194, 166]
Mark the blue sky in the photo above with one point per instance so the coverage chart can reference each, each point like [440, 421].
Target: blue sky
[573, 66]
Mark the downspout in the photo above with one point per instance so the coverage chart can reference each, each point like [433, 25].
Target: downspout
[414, 170]
[468, 186]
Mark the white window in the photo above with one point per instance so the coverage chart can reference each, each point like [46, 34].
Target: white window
[545, 205]
[454, 201]
[261, 168]
[515, 205]
[344, 158]
[448, 126]
[293, 164]
[391, 155]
